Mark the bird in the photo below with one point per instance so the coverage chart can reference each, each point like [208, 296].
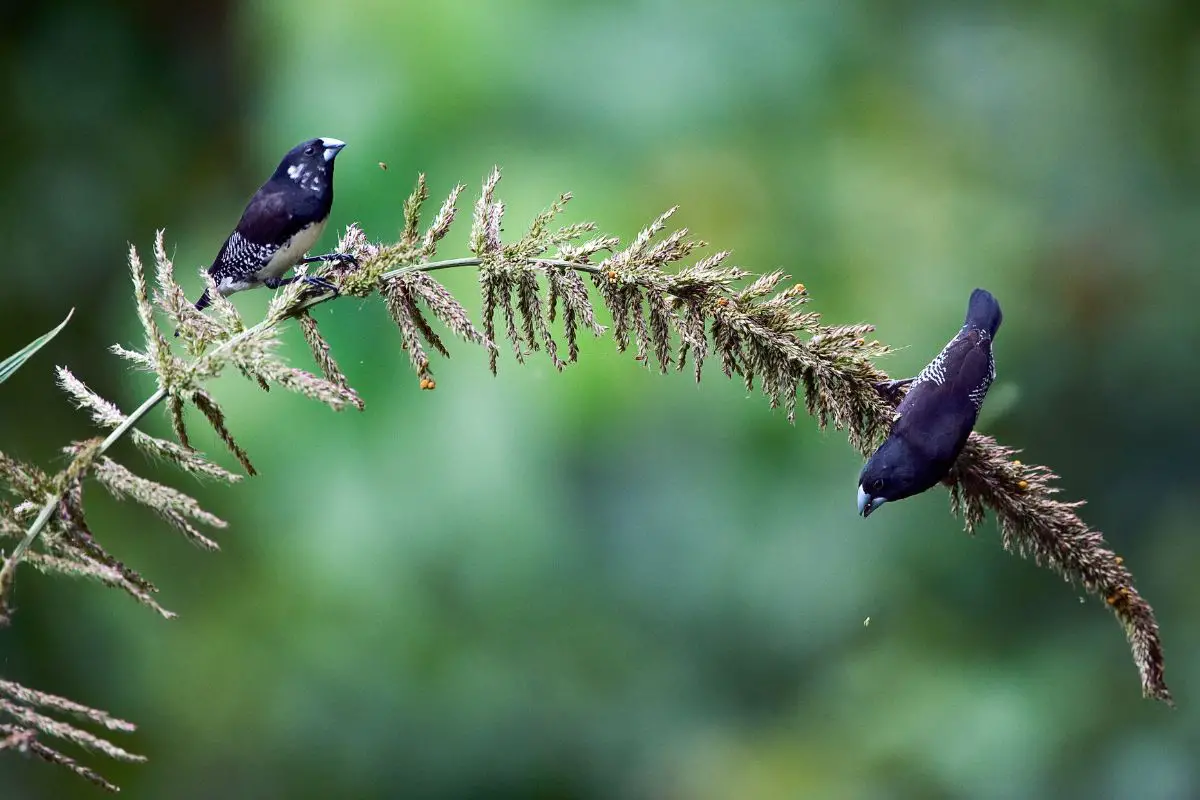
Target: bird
[282, 221]
[937, 414]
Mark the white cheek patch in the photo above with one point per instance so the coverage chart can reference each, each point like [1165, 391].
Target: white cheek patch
[308, 176]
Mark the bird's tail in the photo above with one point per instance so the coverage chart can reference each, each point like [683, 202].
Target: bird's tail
[983, 312]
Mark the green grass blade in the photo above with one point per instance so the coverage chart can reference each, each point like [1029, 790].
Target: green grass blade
[17, 359]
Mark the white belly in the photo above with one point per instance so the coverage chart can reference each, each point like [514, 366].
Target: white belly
[291, 253]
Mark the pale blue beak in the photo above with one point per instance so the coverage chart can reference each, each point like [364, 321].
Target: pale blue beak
[866, 503]
[332, 147]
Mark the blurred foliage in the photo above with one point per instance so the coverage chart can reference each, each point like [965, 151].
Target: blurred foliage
[607, 583]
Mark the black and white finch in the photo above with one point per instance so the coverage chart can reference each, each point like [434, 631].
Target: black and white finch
[282, 221]
[937, 414]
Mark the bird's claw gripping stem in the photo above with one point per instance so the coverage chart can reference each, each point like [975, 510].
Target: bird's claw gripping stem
[317, 282]
[890, 390]
[345, 258]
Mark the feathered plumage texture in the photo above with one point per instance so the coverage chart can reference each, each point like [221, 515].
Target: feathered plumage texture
[282, 221]
[938, 413]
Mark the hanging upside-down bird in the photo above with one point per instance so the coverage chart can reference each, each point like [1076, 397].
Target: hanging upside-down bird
[283, 219]
[937, 414]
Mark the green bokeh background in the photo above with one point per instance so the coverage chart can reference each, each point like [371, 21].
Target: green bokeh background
[608, 583]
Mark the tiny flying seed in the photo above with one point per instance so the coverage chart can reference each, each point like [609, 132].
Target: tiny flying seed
[383, 165]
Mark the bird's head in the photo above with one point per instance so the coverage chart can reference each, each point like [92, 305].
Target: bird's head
[310, 163]
[892, 473]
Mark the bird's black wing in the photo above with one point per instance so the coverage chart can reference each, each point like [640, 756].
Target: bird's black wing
[977, 368]
[274, 215]
[939, 410]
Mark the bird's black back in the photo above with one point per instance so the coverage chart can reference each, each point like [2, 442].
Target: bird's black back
[939, 411]
[282, 206]
[941, 406]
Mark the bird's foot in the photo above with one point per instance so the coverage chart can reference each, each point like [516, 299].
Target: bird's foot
[890, 390]
[344, 258]
[316, 281]
[321, 284]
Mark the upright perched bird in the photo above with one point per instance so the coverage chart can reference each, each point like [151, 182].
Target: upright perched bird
[283, 219]
[937, 414]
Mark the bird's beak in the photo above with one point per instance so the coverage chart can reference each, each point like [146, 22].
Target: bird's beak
[332, 147]
[866, 503]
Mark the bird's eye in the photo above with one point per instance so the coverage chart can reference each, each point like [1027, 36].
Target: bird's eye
[877, 485]
[310, 151]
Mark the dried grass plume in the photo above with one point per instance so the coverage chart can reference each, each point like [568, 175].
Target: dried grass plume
[676, 305]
